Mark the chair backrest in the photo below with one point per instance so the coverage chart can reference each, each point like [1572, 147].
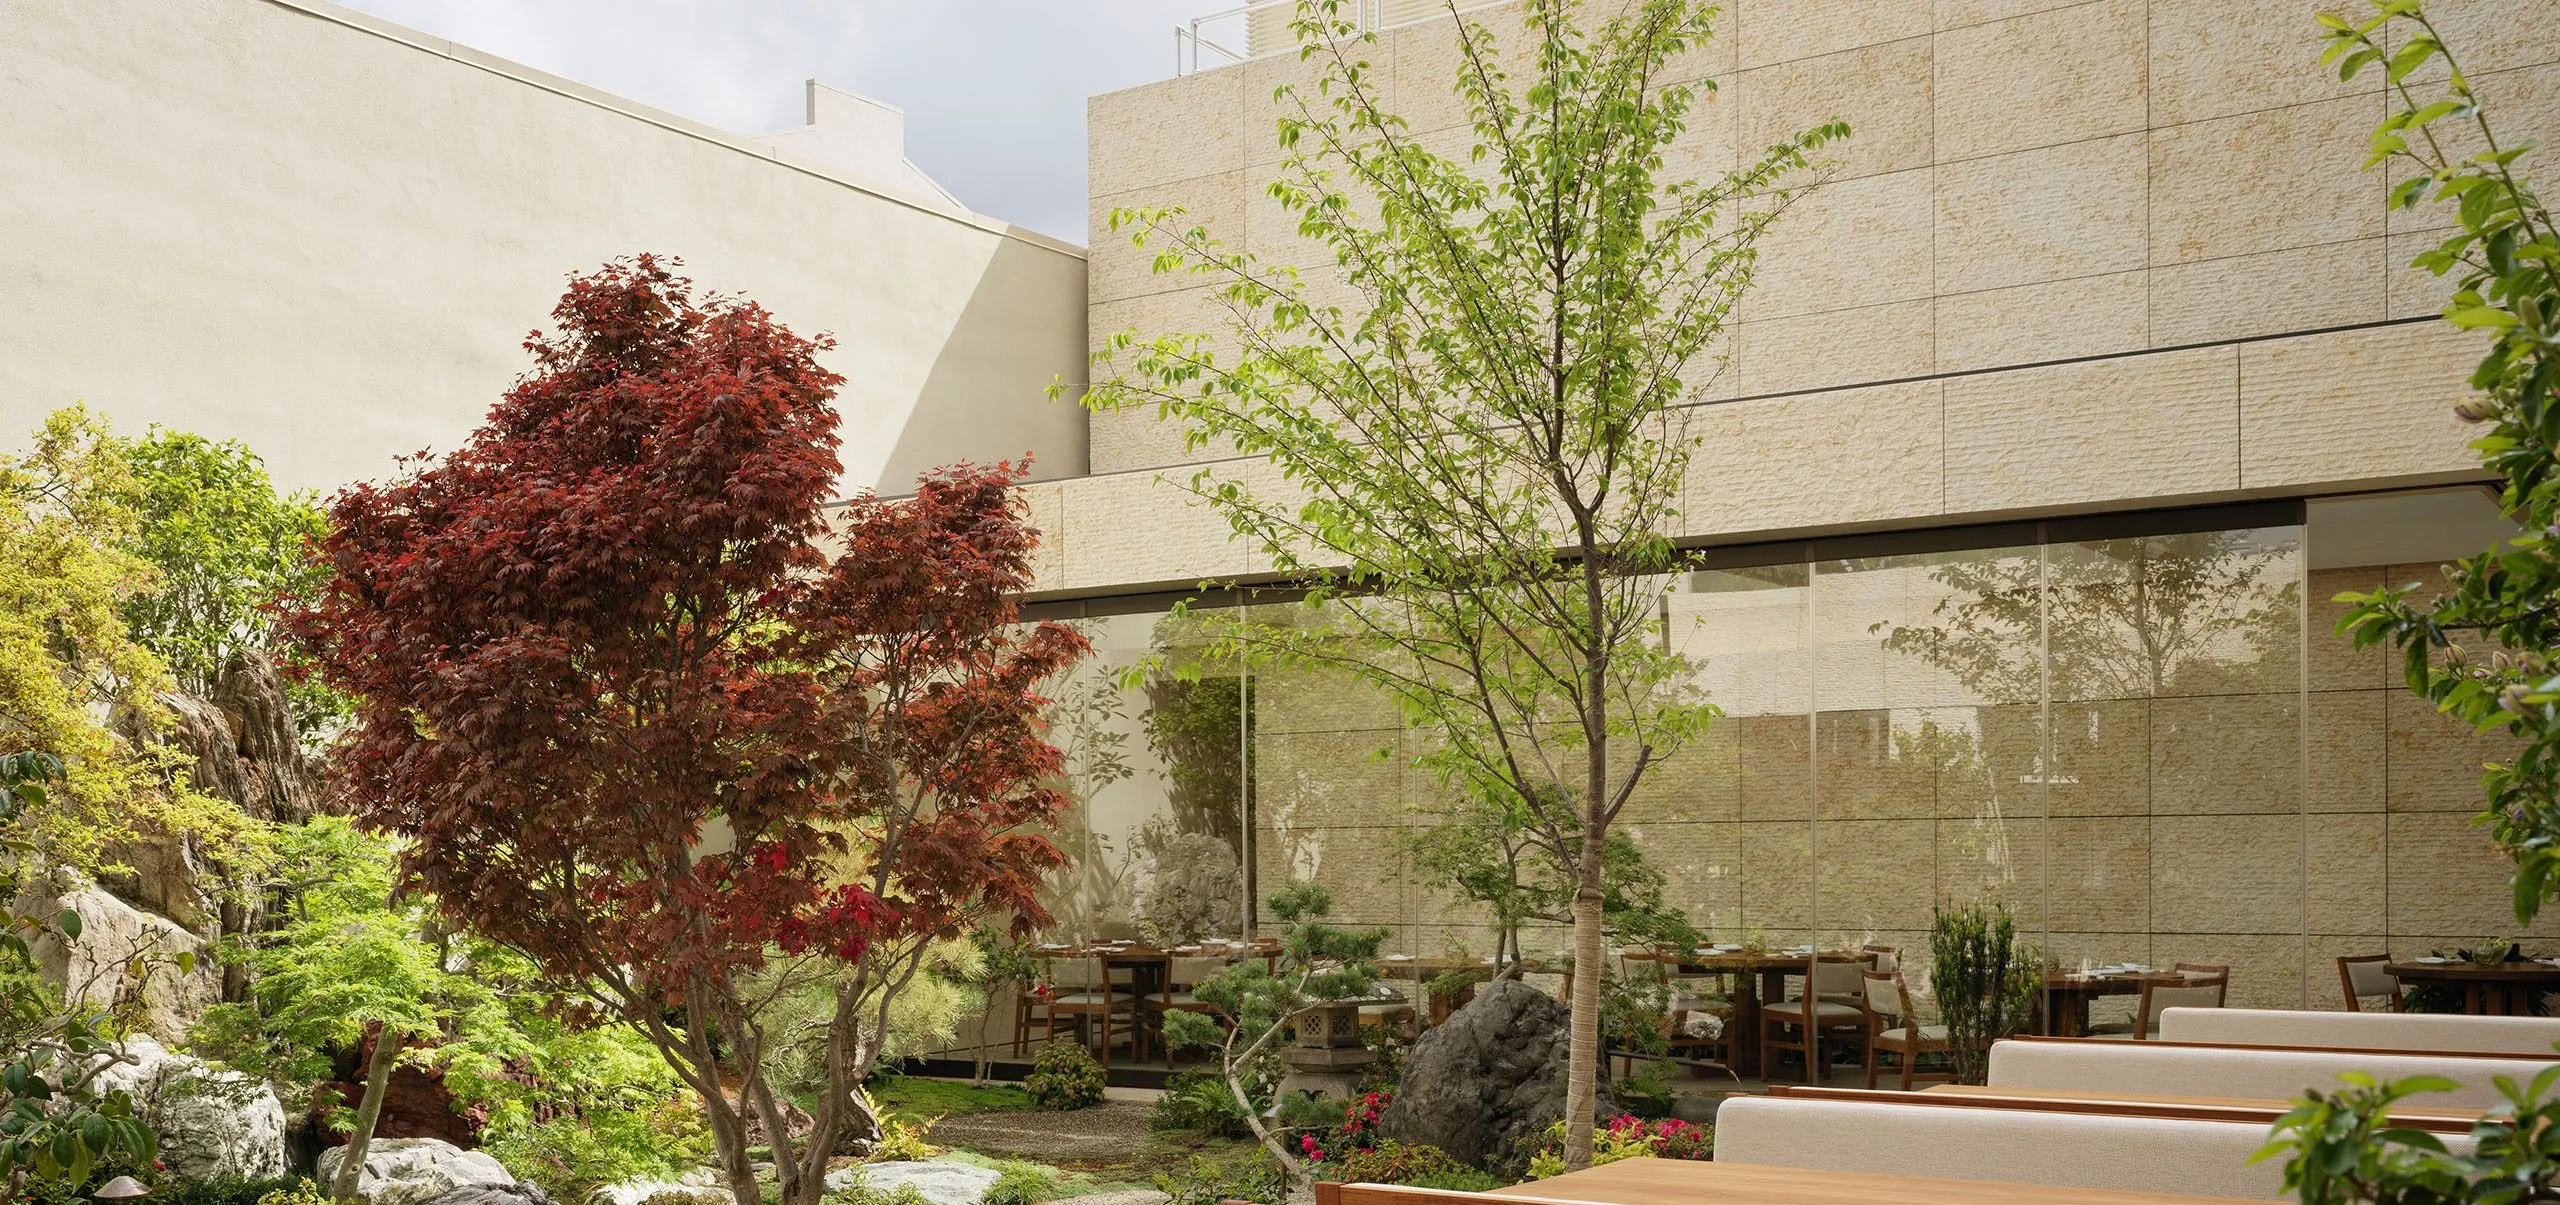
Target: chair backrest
[1886, 958]
[2066, 1150]
[1834, 977]
[2257, 1074]
[2360, 977]
[1886, 1000]
[2202, 970]
[2445, 1033]
[2194, 991]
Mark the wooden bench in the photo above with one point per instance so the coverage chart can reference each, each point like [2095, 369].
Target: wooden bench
[2247, 1072]
[2440, 1033]
[2261, 1113]
[1690, 1182]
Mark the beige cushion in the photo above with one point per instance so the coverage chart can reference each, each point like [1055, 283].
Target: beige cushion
[2145, 1154]
[1928, 1033]
[1093, 1001]
[1825, 1012]
[2364, 1031]
[2371, 980]
[2149, 1067]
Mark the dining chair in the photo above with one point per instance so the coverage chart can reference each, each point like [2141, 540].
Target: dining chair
[1091, 988]
[1801, 1024]
[1029, 1009]
[1892, 1029]
[2361, 978]
[2190, 990]
[1887, 958]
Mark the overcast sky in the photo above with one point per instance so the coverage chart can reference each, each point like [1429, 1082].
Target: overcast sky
[994, 89]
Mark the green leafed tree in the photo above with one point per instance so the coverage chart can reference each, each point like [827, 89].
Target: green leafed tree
[2482, 646]
[1465, 434]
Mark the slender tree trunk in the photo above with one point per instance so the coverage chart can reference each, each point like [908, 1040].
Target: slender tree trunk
[377, 1083]
[1582, 1081]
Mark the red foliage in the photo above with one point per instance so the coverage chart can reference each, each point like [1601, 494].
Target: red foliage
[605, 629]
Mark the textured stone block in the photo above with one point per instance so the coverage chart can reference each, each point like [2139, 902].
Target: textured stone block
[1695, 784]
[2102, 759]
[1876, 874]
[2226, 874]
[1776, 891]
[2216, 58]
[1119, 267]
[1955, 14]
[2356, 406]
[2345, 877]
[1363, 868]
[2308, 186]
[1994, 859]
[1775, 31]
[1775, 767]
[2446, 879]
[1428, 56]
[1176, 129]
[2143, 426]
[1045, 504]
[2226, 754]
[1135, 530]
[2057, 320]
[1328, 780]
[1302, 699]
[1881, 90]
[2266, 968]
[1836, 347]
[2098, 877]
[2491, 35]
[1857, 455]
[2413, 292]
[2051, 213]
[1708, 148]
[2268, 293]
[1859, 773]
[2077, 71]
[1700, 863]
[2433, 761]
[2336, 663]
[1135, 439]
[2347, 749]
[1846, 244]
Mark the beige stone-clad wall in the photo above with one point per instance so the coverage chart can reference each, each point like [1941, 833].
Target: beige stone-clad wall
[2075, 257]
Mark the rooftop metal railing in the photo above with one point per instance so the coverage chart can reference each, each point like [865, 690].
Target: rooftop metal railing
[1259, 28]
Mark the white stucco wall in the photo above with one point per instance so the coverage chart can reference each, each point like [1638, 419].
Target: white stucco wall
[291, 224]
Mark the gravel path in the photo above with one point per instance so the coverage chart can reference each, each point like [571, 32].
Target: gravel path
[1126, 1196]
[1107, 1133]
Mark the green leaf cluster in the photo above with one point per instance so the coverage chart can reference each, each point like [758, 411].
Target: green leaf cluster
[2483, 650]
[2341, 1148]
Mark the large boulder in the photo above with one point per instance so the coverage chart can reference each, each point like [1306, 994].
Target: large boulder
[941, 1182]
[700, 1186]
[113, 934]
[522, 1192]
[1492, 1074]
[417, 1171]
[212, 1123]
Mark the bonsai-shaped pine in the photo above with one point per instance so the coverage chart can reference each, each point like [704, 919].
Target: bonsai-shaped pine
[1319, 964]
[1465, 432]
[1986, 982]
[645, 711]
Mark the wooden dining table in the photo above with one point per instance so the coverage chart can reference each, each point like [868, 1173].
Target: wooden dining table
[2067, 996]
[2505, 989]
[1757, 976]
[1150, 968]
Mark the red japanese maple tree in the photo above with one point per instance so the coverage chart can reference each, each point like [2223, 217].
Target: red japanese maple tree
[637, 721]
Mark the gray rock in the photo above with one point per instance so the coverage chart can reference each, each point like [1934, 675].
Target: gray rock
[211, 1123]
[940, 1181]
[1492, 1074]
[700, 1186]
[519, 1193]
[418, 1171]
[112, 934]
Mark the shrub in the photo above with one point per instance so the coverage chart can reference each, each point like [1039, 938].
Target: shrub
[1022, 1184]
[1064, 1077]
[904, 1141]
[571, 1154]
[1464, 1179]
[296, 1191]
[1200, 1103]
[1392, 1162]
[1627, 1136]
[1246, 1173]
[860, 1192]
[1357, 1130]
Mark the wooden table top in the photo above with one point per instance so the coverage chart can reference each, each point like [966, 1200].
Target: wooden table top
[1743, 960]
[1688, 1182]
[2509, 972]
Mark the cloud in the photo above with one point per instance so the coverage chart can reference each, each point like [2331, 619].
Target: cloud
[994, 90]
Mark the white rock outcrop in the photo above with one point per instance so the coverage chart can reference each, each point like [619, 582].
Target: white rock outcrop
[939, 1181]
[112, 934]
[211, 1122]
[412, 1171]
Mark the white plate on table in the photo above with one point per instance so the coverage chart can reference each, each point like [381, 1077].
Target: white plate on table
[2430, 959]
[1399, 957]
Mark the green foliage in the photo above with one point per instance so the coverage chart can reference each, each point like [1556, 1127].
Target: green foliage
[911, 1096]
[573, 1153]
[1022, 1184]
[1392, 1162]
[1245, 1173]
[1064, 1076]
[1199, 1103]
[904, 1140]
[1985, 979]
[1508, 384]
[227, 548]
[233, 1190]
[1196, 725]
[860, 1192]
[2341, 1148]
[1464, 1179]
[2504, 257]
[66, 574]
[1489, 853]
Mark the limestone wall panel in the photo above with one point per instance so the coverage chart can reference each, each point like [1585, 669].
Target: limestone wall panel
[2356, 405]
[1882, 91]
[2077, 209]
[2061, 75]
[2144, 426]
